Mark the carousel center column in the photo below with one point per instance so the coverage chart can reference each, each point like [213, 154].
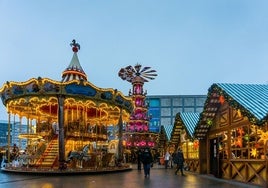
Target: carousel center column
[62, 162]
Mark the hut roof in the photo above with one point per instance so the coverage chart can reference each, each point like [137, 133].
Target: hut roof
[184, 120]
[250, 99]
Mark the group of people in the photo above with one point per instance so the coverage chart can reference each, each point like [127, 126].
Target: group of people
[176, 158]
[145, 157]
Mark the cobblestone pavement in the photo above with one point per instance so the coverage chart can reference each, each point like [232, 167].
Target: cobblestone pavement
[159, 178]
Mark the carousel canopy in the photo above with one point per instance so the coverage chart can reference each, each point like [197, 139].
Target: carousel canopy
[37, 98]
[250, 99]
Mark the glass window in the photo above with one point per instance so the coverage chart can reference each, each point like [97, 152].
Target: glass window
[188, 110]
[154, 102]
[177, 110]
[165, 112]
[248, 142]
[188, 101]
[177, 102]
[165, 121]
[165, 102]
[193, 149]
[154, 124]
[200, 101]
[198, 110]
[154, 112]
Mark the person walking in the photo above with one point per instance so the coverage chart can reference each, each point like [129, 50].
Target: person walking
[146, 160]
[166, 158]
[179, 160]
[139, 154]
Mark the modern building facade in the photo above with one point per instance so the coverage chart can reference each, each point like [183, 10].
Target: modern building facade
[15, 129]
[163, 108]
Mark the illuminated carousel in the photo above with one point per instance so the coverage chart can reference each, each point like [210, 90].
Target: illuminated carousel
[67, 123]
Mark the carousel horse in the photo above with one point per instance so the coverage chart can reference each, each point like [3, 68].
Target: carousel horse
[4, 162]
[24, 159]
[79, 155]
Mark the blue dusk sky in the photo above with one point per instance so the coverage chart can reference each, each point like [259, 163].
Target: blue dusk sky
[190, 43]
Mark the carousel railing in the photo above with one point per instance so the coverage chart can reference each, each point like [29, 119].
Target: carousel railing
[86, 135]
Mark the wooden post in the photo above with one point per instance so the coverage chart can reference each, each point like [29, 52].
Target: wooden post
[8, 139]
[203, 156]
[120, 137]
[62, 164]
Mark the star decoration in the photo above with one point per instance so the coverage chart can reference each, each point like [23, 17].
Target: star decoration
[238, 142]
[240, 131]
[196, 144]
[264, 137]
[221, 99]
[209, 122]
[253, 152]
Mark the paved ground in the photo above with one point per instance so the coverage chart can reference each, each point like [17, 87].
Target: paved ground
[160, 178]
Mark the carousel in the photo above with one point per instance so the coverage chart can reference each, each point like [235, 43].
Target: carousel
[67, 123]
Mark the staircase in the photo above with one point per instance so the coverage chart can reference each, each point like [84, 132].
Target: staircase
[50, 155]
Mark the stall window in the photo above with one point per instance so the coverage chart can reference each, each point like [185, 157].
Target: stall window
[193, 149]
[249, 142]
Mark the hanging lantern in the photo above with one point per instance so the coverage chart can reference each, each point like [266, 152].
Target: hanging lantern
[264, 137]
[254, 152]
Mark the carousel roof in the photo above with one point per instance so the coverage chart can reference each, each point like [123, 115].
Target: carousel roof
[74, 71]
[250, 99]
[38, 97]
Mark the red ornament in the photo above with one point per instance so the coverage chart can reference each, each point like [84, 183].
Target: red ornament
[75, 49]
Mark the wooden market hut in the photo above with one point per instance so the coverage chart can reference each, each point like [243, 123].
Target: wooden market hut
[182, 136]
[233, 133]
[163, 143]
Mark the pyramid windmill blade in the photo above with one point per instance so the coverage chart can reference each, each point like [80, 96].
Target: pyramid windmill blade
[150, 75]
[129, 73]
[130, 69]
[144, 80]
[145, 68]
[150, 71]
[137, 67]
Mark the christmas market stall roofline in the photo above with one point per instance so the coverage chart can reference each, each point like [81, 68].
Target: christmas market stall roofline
[251, 100]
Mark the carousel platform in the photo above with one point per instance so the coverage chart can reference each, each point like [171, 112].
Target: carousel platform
[78, 171]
